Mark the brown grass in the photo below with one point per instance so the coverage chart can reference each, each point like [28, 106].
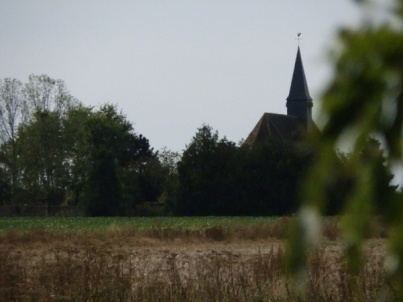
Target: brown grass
[215, 264]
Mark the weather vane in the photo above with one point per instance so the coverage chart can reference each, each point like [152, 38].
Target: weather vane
[298, 37]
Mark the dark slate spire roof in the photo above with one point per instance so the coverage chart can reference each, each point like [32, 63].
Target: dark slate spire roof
[299, 88]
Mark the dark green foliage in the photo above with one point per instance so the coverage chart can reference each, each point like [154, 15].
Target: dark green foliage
[76, 133]
[41, 157]
[218, 178]
[115, 151]
[150, 181]
[205, 186]
[271, 174]
[342, 182]
[5, 188]
[62, 153]
[169, 179]
[142, 182]
[372, 153]
[104, 194]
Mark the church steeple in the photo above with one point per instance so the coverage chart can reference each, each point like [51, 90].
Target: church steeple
[299, 102]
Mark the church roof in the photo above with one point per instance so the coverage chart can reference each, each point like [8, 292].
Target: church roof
[275, 126]
[299, 88]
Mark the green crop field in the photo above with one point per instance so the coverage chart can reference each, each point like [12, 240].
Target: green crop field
[67, 224]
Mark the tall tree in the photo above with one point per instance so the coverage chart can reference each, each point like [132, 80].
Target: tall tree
[116, 155]
[42, 157]
[205, 175]
[170, 179]
[11, 105]
[37, 103]
[77, 158]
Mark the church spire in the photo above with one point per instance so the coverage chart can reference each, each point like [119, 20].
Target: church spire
[299, 102]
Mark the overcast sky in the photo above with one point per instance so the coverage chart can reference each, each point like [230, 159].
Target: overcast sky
[171, 66]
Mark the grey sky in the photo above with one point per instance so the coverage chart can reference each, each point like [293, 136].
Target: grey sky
[171, 66]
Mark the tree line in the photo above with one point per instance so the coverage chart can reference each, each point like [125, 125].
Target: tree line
[55, 152]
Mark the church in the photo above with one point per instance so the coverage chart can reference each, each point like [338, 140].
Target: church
[298, 120]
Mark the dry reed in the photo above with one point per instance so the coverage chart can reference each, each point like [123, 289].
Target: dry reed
[221, 263]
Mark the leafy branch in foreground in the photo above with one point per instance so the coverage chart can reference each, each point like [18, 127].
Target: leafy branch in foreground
[364, 99]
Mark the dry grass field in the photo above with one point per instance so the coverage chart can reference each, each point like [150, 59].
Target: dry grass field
[217, 263]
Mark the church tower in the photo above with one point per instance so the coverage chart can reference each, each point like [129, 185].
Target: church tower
[297, 122]
[299, 102]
